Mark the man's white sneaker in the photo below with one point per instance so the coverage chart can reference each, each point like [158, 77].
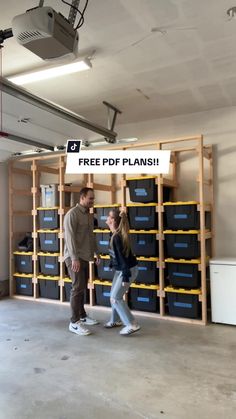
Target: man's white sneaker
[78, 329]
[128, 330]
[89, 321]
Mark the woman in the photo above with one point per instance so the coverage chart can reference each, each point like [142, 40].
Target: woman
[125, 265]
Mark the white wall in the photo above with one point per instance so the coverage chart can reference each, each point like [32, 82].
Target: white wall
[4, 237]
[219, 128]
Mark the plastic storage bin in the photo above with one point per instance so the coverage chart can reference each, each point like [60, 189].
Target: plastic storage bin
[24, 284]
[144, 298]
[183, 273]
[102, 212]
[104, 271]
[144, 243]
[49, 241]
[49, 287]
[143, 216]
[144, 189]
[182, 244]
[102, 239]
[148, 272]
[183, 303]
[23, 262]
[181, 215]
[49, 264]
[103, 293]
[50, 196]
[48, 218]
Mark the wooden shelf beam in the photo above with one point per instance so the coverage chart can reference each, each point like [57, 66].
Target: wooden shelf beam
[47, 169]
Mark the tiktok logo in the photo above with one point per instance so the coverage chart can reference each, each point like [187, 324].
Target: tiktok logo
[73, 146]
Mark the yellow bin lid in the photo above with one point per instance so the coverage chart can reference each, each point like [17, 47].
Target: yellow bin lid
[181, 203]
[141, 177]
[97, 282]
[107, 206]
[48, 277]
[182, 290]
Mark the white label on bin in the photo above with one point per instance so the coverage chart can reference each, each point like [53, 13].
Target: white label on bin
[118, 161]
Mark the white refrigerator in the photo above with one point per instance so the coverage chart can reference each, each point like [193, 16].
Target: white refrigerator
[223, 290]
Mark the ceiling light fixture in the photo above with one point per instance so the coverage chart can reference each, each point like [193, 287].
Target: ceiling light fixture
[50, 73]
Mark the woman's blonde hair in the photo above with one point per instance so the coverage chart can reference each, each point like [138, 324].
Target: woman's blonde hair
[122, 228]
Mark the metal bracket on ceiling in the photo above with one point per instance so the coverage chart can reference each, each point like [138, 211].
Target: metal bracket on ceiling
[5, 34]
[111, 123]
[73, 11]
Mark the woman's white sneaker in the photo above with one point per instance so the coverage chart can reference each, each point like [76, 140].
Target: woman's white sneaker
[128, 330]
[78, 329]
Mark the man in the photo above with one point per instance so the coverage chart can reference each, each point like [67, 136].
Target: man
[80, 248]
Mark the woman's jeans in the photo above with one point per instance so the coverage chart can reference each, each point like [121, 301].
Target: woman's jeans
[120, 309]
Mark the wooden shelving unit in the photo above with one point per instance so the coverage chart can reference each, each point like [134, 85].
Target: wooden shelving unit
[29, 171]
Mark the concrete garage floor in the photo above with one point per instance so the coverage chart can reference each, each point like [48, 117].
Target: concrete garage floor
[167, 370]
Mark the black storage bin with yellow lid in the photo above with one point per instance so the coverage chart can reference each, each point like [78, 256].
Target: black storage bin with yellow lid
[104, 271]
[24, 284]
[148, 272]
[102, 239]
[183, 273]
[103, 293]
[48, 218]
[49, 240]
[49, 287]
[144, 298]
[143, 216]
[49, 264]
[102, 212]
[23, 262]
[181, 215]
[144, 189]
[182, 244]
[144, 243]
[183, 303]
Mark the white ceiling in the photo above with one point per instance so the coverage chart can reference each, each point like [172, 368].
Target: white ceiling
[188, 64]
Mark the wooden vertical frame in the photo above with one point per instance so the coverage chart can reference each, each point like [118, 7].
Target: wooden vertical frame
[160, 238]
[212, 203]
[61, 164]
[11, 227]
[14, 192]
[35, 190]
[202, 230]
[113, 188]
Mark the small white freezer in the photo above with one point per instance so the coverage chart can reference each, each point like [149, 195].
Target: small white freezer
[223, 290]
